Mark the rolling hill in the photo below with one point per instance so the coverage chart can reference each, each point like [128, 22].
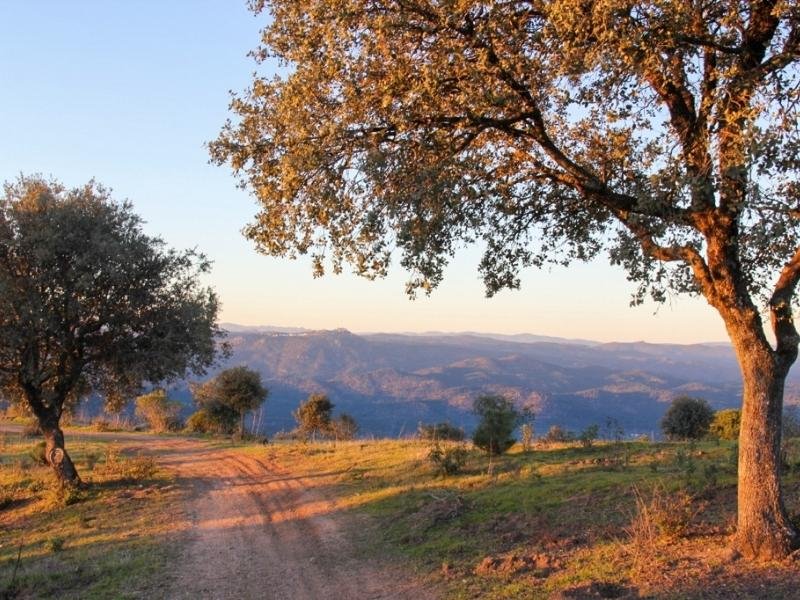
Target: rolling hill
[391, 382]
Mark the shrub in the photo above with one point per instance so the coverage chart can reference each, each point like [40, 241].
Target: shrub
[664, 517]
[60, 496]
[229, 396]
[344, 427]
[557, 434]
[201, 422]
[725, 425]
[440, 431]
[687, 419]
[158, 411]
[448, 461]
[130, 469]
[498, 420]
[55, 544]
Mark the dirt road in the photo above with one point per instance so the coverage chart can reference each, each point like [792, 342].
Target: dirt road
[250, 530]
[256, 531]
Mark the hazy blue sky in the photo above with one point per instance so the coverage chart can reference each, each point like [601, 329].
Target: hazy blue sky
[129, 92]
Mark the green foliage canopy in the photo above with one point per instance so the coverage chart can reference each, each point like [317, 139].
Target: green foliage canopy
[687, 419]
[547, 129]
[229, 396]
[314, 415]
[88, 302]
[158, 411]
[498, 420]
[440, 431]
[725, 425]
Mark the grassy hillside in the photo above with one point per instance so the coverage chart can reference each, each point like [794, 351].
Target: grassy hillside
[624, 520]
[111, 540]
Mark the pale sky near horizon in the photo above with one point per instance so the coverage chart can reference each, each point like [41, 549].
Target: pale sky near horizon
[128, 93]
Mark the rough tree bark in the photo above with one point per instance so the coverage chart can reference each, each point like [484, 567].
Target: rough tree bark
[764, 530]
[49, 416]
[57, 455]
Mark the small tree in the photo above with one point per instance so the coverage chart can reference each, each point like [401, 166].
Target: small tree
[440, 432]
[344, 427]
[158, 411]
[230, 396]
[202, 422]
[90, 303]
[557, 434]
[314, 415]
[498, 420]
[687, 419]
[725, 425]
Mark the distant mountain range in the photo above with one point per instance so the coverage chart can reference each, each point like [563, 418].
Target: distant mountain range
[392, 382]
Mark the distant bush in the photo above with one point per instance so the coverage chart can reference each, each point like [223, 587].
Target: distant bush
[725, 425]
[202, 422]
[687, 419]
[557, 434]
[228, 397]
[440, 431]
[158, 411]
[344, 427]
[498, 420]
[448, 461]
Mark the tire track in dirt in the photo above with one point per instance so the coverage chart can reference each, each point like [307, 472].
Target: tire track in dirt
[250, 530]
[256, 531]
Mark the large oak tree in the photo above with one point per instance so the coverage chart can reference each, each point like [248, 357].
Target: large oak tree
[663, 131]
[89, 302]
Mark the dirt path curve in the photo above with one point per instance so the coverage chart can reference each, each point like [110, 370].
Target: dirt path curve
[259, 532]
[251, 530]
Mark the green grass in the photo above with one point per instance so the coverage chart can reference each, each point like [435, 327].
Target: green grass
[109, 540]
[569, 502]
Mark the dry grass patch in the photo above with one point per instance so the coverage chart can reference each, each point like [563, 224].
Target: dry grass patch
[107, 539]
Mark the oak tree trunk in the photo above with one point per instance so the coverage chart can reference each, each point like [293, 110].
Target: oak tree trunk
[56, 454]
[764, 531]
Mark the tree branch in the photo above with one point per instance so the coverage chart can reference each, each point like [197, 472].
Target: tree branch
[780, 307]
[686, 253]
